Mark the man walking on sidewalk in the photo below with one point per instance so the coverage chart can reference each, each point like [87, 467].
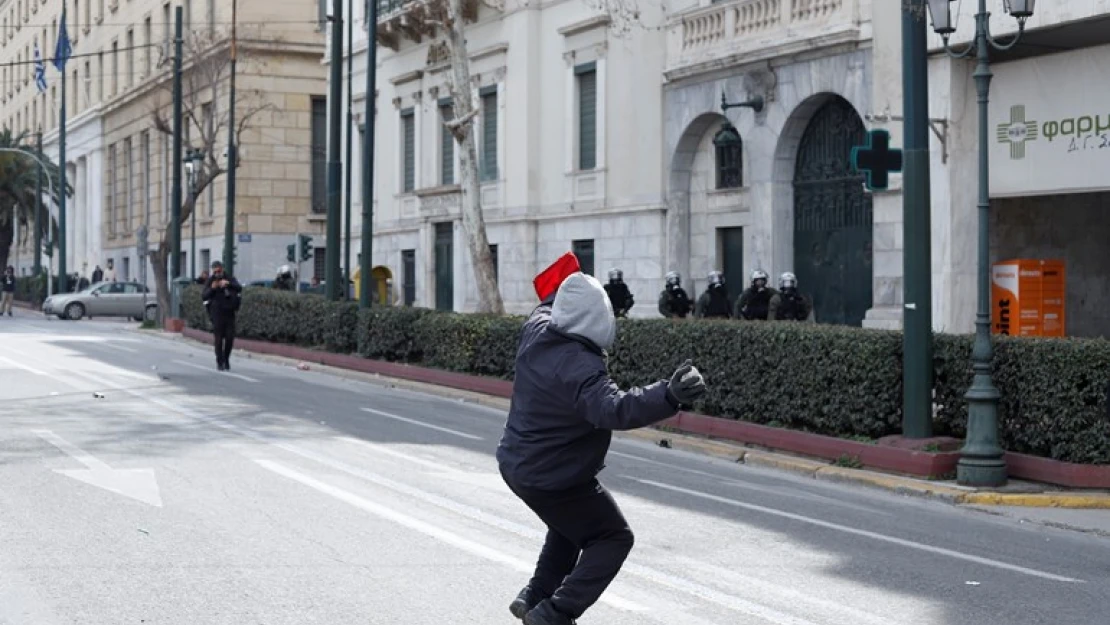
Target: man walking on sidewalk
[564, 409]
[7, 291]
[222, 293]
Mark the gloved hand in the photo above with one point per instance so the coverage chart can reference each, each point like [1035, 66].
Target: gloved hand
[686, 385]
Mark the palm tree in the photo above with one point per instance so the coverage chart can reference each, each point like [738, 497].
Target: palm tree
[19, 179]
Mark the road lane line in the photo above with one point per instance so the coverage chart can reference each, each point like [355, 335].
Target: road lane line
[866, 534]
[27, 368]
[117, 347]
[423, 527]
[778, 492]
[209, 370]
[389, 415]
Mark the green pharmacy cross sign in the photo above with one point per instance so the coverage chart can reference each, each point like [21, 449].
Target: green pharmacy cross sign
[877, 160]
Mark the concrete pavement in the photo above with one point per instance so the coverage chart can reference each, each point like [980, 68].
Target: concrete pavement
[140, 485]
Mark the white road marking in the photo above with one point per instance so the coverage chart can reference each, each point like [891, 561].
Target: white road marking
[118, 347]
[138, 484]
[778, 492]
[426, 528]
[27, 368]
[866, 534]
[388, 415]
[211, 370]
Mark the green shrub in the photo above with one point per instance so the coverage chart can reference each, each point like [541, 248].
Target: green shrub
[1053, 394]
[32, 289]
[836, 381]
[388, 333]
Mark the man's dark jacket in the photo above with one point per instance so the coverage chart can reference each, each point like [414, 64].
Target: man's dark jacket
[221, 301]
[8, 283]
[564, 405]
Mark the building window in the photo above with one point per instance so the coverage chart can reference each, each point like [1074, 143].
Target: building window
[130, 80]
[113, 169]
[408, 150]
[496, 264]
[144, 147]
[489, 133]
[729, 149]
[205, 259]
[584, 250]
[446, 144]
[148, 39]
[211, 18]
[165, 179]
[319, 155]
[128, 181]
[167, 25]
[115, 67]
[100, 76]
[587, 116]
[320, 263]
[408, 276]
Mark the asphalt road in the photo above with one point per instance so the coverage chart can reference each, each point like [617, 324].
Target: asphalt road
[139, 485]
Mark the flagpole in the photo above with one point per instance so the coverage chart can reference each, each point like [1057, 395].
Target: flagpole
[63, 277]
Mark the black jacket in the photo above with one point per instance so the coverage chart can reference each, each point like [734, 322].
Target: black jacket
[222, 301]
[565, 407]
[9, 283]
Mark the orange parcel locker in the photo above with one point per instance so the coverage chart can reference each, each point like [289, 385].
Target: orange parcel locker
[1005, 297]
[1053, 298]
[1029, 290]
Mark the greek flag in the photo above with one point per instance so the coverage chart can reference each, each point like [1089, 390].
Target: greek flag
[64, 48]
[40, 71]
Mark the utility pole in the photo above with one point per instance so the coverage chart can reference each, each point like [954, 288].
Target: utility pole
[350, 149]
[366, 262]
[332, 274]
[175, 200]
[37, 237]
[232, 148]
[917, 336]
[63, 271]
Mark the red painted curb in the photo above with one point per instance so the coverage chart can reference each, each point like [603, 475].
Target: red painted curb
[889, 458]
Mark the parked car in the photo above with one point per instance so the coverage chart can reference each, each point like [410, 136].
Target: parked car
[104, 299]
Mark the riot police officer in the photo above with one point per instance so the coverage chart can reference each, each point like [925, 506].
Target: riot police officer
[619, 295]
[284, 280]
[789, 304]
[755, 302]
[673, 301]
[714, 302]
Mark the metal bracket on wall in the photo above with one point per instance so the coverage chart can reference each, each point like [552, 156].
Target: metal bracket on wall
[938, 126]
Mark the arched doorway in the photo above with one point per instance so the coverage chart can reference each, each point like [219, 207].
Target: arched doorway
[833, 217]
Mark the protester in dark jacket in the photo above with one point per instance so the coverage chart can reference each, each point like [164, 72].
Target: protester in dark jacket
[563, 411]
[221, 295]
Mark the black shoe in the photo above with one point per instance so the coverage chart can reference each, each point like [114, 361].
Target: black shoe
[546, 614]
[524, 602]
[227, 365]
[220, 365]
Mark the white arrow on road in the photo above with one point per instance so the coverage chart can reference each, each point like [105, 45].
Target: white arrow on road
[138, 484]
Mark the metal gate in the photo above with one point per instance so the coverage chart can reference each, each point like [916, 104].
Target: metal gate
[833, 217]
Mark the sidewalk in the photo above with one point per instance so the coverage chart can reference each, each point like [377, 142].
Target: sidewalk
[1080, 510]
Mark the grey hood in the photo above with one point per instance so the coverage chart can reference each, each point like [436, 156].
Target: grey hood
[582, 309]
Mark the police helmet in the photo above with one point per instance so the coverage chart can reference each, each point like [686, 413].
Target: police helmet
[673, 279]
[788, 281]
[285, 270]
[716, 278]
[759, 274]
[615, 275]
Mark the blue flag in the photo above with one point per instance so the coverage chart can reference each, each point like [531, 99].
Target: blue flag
[64, 49]
[40, 71]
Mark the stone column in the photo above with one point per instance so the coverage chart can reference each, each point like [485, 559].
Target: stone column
[81, 226]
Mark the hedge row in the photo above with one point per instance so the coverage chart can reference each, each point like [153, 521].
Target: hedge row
[829, 380]
[32, 289]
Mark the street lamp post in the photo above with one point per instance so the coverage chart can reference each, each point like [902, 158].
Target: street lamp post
[982, 460]
[192, 160]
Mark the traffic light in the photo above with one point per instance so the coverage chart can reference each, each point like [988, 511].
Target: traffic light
[291, 252]
[306, 247]
[47, 248]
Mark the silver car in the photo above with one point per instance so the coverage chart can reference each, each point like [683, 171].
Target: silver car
[104, 299]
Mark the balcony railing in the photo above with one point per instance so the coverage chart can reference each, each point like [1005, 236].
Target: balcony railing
[414, 19]
[749, 30]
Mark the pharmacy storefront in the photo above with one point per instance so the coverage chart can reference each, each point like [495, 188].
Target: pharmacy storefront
[1050, 194]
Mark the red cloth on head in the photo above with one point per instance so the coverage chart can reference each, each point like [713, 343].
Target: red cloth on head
[549, 280]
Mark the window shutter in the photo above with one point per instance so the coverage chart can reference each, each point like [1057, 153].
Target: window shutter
[409, 122]
[489, 134]
[447, 147]
[587, 119]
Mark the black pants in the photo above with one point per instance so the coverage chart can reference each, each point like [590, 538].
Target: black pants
[587, 542]
[223, 329]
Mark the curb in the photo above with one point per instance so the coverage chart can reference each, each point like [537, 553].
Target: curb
[734, 452]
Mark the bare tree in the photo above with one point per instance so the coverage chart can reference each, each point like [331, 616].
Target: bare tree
[205, 70]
